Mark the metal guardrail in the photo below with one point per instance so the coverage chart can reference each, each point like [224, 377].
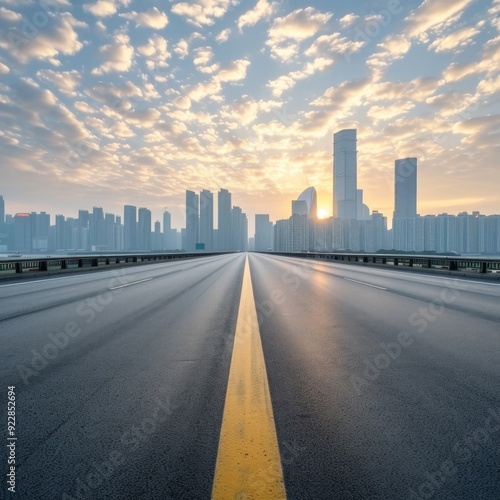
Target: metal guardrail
[481, 265]
[18, 265]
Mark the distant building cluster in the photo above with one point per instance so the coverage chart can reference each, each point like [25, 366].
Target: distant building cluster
[231, 234]
[99, 231]
[354, 228]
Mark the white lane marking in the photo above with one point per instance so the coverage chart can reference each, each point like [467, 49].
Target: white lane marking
[37, 281]
[130, 284]
[366, 284]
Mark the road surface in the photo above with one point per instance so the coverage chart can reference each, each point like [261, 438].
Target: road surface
[382, 384]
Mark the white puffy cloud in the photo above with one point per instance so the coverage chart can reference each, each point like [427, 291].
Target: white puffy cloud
[286, 82]
[151, 18]
[263, 10]
[297, 26]
[105, 8]
[117, 56]
[65, 81]
[203, 12]
[333, 44]
[233, 72]
[9, 15]
[4, 69]
[454, 41]
[392, 48]
[58, 37]
[432, 13]
[156, 51]
[223, 36]
[348, 20]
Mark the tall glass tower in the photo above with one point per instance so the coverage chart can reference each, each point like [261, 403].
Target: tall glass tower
[405, 188]
[345, 174]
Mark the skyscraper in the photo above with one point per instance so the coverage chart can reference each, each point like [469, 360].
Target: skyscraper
[144, 229]
[310, 197]
[224, 220]
[2, 210]
[130, 227]
[22, 232]
[263, 233]
[405, 188]
[345, 174]
[207, 219]
[192, 220]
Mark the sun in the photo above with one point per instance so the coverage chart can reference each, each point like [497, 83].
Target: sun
[322, 213]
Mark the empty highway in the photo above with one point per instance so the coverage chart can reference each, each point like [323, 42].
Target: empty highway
[359, 383]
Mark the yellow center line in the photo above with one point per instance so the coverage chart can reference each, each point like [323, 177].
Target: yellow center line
[248, 460]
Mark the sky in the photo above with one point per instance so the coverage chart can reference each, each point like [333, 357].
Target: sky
[114, 102]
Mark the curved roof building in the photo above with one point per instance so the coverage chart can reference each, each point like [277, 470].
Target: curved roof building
[310, 197]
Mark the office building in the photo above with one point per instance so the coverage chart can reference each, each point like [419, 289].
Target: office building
[405, 187]
[345, 174]
[144, 229]
[207, 219]
[192, 220]
[224, 220]
[130, 227]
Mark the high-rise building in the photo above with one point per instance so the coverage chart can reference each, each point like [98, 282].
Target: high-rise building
[192, 220]
[22, 232]
[362, 210]
[2, 210]
[239, 230]
[263, 233]
[130, 227]
[299, 207]
[310, 197]
[144, 229]
[157, 237]
[97, 228]
[169, 234]
[224, 220]
[207, 219]
[345, 174]
[40, 224]
[405, 188]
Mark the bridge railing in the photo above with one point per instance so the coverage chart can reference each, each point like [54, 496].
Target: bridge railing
[451, 263]
[44, 264]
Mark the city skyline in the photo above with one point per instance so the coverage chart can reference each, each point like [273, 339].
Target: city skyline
[108, 101]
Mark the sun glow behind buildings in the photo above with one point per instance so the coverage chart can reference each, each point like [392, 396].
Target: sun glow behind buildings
[322, 213]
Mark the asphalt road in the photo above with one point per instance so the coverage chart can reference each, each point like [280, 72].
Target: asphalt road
[383, 384]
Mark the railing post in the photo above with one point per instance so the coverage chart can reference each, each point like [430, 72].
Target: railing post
[396, 261]
[64, 264]
[411, 263]
[42, 265]
[19, 267]
[429, 263]
[484, 267]
[95, 262]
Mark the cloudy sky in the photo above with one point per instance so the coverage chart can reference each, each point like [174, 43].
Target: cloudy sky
[120, 101]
